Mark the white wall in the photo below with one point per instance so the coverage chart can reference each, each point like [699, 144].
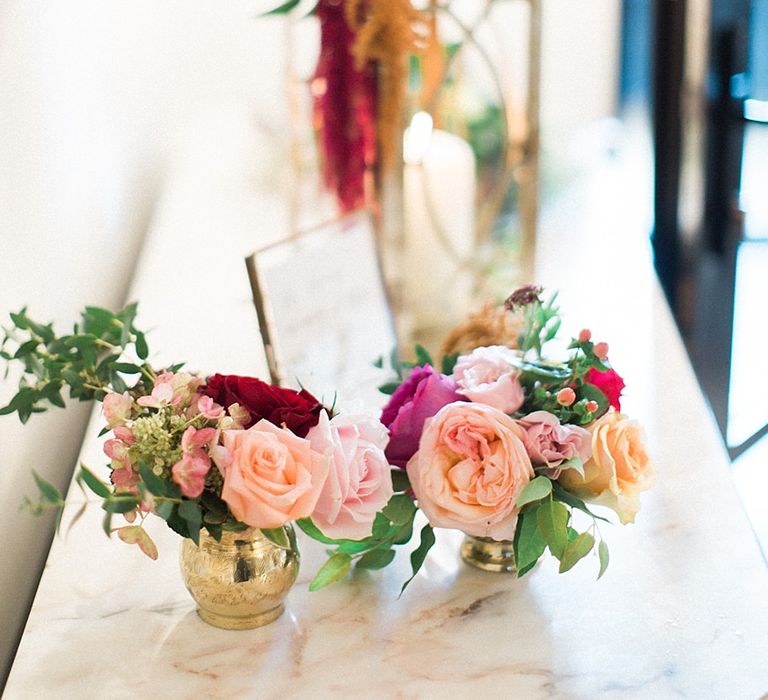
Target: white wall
[96, 97]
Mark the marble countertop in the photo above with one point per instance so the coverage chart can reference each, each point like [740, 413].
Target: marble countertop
[681, 612]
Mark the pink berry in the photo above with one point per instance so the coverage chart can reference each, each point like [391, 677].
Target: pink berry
[601, 350]
[585, 335]
[592, 406]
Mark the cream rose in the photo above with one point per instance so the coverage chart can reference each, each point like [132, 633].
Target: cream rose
[271, 476]
[469, 470]
[619, 470]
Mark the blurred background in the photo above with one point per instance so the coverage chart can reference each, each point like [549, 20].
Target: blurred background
[108, 105]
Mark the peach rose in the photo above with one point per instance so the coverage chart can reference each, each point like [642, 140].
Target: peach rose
[359, 482]
[619, 469]
[272, 476]
[469, 470]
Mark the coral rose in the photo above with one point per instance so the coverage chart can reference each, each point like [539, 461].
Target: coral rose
[619, 469]
[489, 375]
[549, 443]
[272, 476]
[419, 397]
[359, 482]
[470, 468]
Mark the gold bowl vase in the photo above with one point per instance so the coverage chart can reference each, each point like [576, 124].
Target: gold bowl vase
[240, 582]
[488, 554]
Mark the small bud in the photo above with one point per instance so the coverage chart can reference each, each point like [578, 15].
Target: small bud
[585, 335]
[592, 406]
[565, 397]
[601, 350]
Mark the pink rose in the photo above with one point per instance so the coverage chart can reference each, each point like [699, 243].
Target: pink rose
[470, 468]
[489, 375]
[549, 443]
[359, 481]
[272, 477]
[117, 408]
[609, 382]
[419, 397]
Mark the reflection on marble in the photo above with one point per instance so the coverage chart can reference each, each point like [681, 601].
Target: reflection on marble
[681, 612]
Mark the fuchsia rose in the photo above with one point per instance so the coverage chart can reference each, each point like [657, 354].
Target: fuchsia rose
[296, 410]
[359, 481]
[488, 375]
[549, 443]
[272, 476]
[419, 397]
[609, 382]
[470, 468]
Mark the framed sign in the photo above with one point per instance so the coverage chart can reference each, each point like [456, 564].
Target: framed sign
[323, 311]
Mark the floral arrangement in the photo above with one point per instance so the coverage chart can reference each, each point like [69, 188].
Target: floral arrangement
[502, 443]
[218, 453]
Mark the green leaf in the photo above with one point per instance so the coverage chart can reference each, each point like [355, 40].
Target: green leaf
[400, 480]
[602, 551]
[552, 521]
[448, 362]
[400, 509]
[155, 484]
[106, 524]
[378, 363]
[283, 9]
[333, 570]
[141, 346]
[529, 542]
[277, 536]
[405, 532]
[389, 388]
[418, 556]
[422, 356]
[163, 509]
[535, 490]
[376, 559]
[576, 550]
[355, 547]
[93, 482]
[310, 529]
[47, 490]
[126, 368]
[190, 511]
[25, 349]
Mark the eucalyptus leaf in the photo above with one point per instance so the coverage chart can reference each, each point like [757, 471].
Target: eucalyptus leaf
[47, 490]
[529, 542]
[576, 550]
[552, 521]
[120, 503]
[422, 356]
[93, 482]
[389, 388]
[602, 552]
[535, 490]
[569, 499]
[283, 9]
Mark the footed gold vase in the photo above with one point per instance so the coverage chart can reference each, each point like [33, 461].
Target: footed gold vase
[488, 554]
[240, 582]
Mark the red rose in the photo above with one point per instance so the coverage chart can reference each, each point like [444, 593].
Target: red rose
[296, 410]
[610, 383]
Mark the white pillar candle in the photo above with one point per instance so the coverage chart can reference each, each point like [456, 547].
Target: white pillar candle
[439, 203]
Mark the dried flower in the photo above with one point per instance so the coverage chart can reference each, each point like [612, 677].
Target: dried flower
[523, 296]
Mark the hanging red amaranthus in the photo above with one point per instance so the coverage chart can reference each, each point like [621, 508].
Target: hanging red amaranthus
[344, 108]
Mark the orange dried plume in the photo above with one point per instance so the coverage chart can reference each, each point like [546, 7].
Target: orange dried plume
[387, 31]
